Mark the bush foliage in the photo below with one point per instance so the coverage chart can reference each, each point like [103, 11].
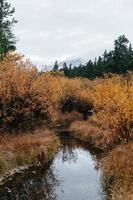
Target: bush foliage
[28, 97]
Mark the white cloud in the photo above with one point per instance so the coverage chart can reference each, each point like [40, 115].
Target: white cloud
[45, 4]
[51, 29]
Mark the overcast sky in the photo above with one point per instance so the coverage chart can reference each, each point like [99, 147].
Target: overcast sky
[61, 29]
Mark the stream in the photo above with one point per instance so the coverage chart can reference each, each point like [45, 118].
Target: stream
[72, 175]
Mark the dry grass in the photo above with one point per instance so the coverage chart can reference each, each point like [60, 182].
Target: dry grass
[117, 169]
[91, 132]
[68, 117]
[26, 149]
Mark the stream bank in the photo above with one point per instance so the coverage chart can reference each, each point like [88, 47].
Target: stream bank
[73, 174]
[21, 152]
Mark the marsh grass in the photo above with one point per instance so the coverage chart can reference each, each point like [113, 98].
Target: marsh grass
[24, 149]
[117, 169]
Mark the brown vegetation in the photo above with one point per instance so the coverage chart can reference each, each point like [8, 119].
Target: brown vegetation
[117, 170]
[29, 98]
[26, 149]
[111, 127]
[113, 112]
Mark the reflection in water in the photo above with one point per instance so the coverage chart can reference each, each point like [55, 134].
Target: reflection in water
[71, 176]
[76, 170]
[40, 186]
[68, 151]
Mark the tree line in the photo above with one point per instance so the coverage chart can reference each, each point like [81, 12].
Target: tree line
[119, 61]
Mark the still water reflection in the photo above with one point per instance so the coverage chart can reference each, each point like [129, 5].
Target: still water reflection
[71, 176]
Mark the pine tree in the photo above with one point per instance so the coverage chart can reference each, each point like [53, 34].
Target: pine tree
[7, 38]
[121, 53]
[64, 65]
[130, 52]
[56, 66]
[130, 58]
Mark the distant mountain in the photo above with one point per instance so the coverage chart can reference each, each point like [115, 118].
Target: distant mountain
[73, 62]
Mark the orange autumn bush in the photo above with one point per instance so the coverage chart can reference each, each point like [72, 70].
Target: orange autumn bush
[112, 117]
[26, 97]
[110, 129]
[113, 103]
[47, 94]
[75, 96]
[16, 76]
[29, 98]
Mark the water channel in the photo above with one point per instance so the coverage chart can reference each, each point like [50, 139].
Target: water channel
[72, 175]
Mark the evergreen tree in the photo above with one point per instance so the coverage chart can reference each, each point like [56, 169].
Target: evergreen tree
[121, 53]
[105, 56]
[90, 70]
[65, 69]
[64, 65]
[70, 66]
[130, 52]
[56, 66]
[130, 58]
[7, 38]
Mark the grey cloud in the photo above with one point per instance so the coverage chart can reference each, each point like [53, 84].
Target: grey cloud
[59, 29]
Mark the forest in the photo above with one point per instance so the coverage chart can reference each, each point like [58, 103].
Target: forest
[116, 61]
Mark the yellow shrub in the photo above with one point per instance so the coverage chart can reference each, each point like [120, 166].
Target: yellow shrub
[113, 103]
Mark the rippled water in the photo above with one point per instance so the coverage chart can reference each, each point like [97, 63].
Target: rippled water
[71, 176]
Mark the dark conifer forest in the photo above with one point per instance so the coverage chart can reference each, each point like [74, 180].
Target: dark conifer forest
[118, 61]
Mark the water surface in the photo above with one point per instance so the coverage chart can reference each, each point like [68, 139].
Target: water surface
[72, 175]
